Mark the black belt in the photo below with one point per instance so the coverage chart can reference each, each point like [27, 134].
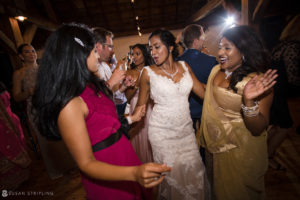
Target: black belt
[110, 140]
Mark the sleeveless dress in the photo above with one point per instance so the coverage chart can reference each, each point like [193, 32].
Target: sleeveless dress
[101, 122]
[173, 140]
[139, 132]
[56, 157]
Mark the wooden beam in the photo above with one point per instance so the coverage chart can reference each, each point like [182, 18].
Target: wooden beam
[16, 30]
[10, 44]
[260, 8]
[42, 23]
[205, 10]
[29, 33]
[50, 12]
[245, 12]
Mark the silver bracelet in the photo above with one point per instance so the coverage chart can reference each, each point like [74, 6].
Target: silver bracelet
[250, 111]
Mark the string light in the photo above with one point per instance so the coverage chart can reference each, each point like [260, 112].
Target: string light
[136, 19]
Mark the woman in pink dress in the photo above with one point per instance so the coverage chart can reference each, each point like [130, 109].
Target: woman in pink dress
[139, 131]
[74, 104]
[14, 159]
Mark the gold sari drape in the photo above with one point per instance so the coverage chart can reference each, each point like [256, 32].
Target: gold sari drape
[239, 159]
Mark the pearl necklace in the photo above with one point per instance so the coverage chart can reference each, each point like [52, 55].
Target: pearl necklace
[169, 74]
[227, 74]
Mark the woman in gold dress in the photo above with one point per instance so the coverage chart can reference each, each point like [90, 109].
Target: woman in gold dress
[236, 114]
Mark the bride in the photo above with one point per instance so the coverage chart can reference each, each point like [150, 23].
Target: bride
[170, 133]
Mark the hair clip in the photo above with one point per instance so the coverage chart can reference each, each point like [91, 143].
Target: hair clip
[79, 41]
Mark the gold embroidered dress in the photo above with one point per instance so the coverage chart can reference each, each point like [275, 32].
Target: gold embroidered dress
[239, 159]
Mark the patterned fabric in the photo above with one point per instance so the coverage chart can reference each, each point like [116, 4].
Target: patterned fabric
[239, 159]
[288, 54]
[14, 160]
[172, 137]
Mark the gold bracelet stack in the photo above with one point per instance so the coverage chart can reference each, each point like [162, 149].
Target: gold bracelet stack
[251, 111]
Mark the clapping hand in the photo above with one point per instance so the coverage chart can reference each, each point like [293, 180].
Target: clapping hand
[257, 86]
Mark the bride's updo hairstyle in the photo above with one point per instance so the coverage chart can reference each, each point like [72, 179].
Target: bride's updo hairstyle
[168, 39]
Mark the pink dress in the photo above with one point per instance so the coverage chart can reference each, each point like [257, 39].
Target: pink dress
[14, 160]
[101, 122]
[139, 132]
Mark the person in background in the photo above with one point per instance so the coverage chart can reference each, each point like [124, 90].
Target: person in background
[77, 106]
[14, 159]
[139, 131]
[193, 38]
[24, 78]
[285, 57]
[235, 115]
[114, 74]
[56, 157]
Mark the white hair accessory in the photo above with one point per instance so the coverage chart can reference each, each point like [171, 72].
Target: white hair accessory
[79, 41]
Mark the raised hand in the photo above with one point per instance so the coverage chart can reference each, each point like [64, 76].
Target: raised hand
[116, 77]
[151, 174]
[129, 81]
[257, 86]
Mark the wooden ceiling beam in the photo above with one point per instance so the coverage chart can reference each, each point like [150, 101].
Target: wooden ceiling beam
[16, 31]
[8, 43]
[49, 9]
[260, 8]
[205, 10]
[29, 33]
[245, 12]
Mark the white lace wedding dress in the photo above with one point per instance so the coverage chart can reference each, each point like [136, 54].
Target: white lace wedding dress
[173, 139]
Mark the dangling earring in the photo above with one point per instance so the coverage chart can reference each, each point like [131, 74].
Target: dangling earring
[243, 58]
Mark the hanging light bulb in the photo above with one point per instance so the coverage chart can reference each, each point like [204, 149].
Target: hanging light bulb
[138, 28]
[20, 18]
[132, 1]
[140, 34]
[137, 18]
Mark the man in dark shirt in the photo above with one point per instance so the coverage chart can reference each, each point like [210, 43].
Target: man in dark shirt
[193, 38]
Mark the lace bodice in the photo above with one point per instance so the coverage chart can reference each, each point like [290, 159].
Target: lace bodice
[172, 137]
[170, 99]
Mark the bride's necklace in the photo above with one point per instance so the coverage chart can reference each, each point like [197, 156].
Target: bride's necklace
[170, 74]
[227, 74]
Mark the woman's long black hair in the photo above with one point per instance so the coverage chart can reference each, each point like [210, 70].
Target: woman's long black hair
[168, 39]
[255, 56]
[147, 57]
[63, 75]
